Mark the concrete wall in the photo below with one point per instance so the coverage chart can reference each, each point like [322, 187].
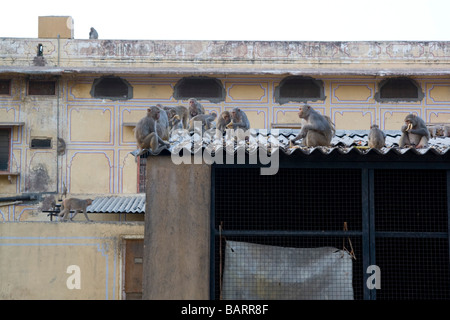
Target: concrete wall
[47, 260]
[177, 232]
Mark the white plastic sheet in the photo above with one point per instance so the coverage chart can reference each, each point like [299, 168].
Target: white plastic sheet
[262, 272]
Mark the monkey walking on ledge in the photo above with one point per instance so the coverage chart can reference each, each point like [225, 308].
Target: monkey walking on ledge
[74, 204]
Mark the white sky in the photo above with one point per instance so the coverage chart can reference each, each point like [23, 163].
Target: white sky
[291, 20]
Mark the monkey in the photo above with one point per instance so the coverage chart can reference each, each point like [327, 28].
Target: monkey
[223, 121]
[414, 132]
[195, 108]
[75, 204]
[93, 34]
[205, 119]
[239, 120]
[439, 130]
[318, 131]
[148, 132]
[162, 124]
[61, 147]
[377, 138]
[175, 123]
[181, 111]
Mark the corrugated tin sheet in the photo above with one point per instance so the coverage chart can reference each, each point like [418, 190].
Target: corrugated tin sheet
[344, 141]
[118, 204]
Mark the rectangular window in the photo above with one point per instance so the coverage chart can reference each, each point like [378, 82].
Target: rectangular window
[42, 87]
[41, 143]
[5, 135]
[5, 86]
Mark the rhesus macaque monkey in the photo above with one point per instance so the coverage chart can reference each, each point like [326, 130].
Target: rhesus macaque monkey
[205, 119]
[76, 205]
[61, 147]
[162, 125]
[181, 111]
[377, 138]
[239, 120]
[148, 132]
[175, 123]
[223, 121]
[93, 34]
[414, 132]
[318, 131]
[195, 108]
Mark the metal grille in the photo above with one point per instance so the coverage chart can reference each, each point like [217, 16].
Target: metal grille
[396, 219]
[293, 199]
[413, 268]
[411, 224]
[407, 200]
[289, 274]
[294, 209]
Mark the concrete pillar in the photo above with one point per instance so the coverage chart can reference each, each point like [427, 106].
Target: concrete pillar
[177, 230]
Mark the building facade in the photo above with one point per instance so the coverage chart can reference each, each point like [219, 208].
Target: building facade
[68, 106]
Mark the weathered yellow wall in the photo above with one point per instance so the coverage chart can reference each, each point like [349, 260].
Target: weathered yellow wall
[98, 160]
[36, 258]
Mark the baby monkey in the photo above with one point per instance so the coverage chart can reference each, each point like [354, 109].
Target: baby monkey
[74, 204]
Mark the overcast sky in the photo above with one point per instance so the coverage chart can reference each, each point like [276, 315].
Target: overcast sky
[291, 20]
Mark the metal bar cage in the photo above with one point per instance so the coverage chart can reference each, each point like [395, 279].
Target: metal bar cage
[315, 233]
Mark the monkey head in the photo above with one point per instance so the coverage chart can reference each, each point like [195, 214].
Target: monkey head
[226, 116]
[193, 102]
[411, 118]
[411, 121]
[303, 111]
[154, 112]
[236, 113]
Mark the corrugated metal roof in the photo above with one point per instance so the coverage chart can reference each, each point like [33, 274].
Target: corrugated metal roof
[344, 141]
[118, 204]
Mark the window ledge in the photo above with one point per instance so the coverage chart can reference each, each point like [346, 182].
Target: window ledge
[11, 124]
[9, 174]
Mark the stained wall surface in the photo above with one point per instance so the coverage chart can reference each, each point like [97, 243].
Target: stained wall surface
[98, 133]
[65, 261]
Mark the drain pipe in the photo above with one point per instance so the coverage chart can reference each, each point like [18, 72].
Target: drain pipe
[22, 197]
[57, 120]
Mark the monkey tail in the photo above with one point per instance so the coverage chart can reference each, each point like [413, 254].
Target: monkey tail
[333, 129]
[158, 150]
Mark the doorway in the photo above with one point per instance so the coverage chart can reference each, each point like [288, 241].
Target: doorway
[133, 268]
